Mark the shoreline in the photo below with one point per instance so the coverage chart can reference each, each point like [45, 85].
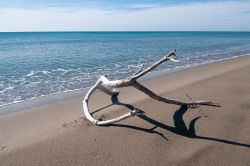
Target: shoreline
[58, 134]
[22, 105]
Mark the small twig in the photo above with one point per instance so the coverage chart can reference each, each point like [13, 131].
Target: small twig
[189, 97]
[139, 70]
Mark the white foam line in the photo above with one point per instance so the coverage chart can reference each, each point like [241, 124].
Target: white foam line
[42, 96]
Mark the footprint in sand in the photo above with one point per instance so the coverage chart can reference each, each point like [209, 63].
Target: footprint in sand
[76, 123]
[3, 147]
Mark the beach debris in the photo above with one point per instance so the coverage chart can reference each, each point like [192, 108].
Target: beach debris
[110, 87]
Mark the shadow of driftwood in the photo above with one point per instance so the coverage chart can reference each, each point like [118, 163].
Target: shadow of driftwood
[115, 101]
[179, 128]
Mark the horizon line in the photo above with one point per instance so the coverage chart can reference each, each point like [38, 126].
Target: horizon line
[131, 31]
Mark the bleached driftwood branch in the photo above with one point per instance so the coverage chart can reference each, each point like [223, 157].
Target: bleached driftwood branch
[110, 87]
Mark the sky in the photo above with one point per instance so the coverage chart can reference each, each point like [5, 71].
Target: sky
[129, 15]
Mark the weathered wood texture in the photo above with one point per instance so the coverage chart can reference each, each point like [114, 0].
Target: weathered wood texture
[109, 87]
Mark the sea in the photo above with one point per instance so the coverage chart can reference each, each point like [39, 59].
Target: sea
[36, 65]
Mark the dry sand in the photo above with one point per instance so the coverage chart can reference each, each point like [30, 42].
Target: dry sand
[56, 134]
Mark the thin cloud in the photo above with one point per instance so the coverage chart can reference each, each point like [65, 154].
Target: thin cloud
[192, 16]
[143, 5]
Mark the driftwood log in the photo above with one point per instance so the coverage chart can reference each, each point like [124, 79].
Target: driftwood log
[110, 87]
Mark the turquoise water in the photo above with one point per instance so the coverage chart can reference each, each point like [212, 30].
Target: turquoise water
[42, 63]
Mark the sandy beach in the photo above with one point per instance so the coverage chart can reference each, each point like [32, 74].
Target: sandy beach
[58, 134]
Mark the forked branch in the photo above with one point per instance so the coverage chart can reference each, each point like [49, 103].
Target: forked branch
[109, 87]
